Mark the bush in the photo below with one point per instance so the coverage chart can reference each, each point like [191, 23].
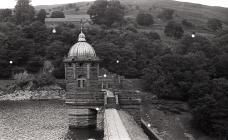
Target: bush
[166, 14]
[44, 80]
[23, 79]
[173, 29]
[209, 102]
[144, 19]
[186, 23]
[106, 12]
[34, 65]
[214, 24]
[153, 36]
[57, 14]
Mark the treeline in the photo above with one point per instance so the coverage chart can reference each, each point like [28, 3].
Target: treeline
[196, 72]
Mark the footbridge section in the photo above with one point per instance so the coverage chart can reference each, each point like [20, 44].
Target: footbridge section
[114, 128]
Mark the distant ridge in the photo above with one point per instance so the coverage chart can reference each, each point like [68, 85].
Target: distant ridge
[197, 13]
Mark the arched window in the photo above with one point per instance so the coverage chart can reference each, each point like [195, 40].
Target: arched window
[81, 82]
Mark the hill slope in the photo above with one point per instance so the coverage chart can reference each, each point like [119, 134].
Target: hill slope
[194, 12]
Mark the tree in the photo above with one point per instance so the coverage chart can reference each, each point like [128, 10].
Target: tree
[166, 14]
[57, 14]
[187, 23]
[36, 31]
[144, 19]
[221, 41]
[5, 14]
[34, 64]
[153, 36]
[41, 15]
[173, 29]
[24, 12]
[97, 11]
[106, 12]
[199, 44]
[210, 108]
[221, 65]
[214, 24]
[171, 76]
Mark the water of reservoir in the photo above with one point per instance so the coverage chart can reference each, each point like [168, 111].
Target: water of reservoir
[40, 120]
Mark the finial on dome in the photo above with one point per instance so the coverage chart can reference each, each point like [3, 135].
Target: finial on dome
[81, 28]
[81, 37]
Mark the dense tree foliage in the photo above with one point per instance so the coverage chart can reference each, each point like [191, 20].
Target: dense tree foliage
[173, 29]
[57, 14]
[166, 14]
[24, 12]
[214, 24]
[106, 12]
[196, 71]
[5, 14]
[41, 15]
[144, 19]
[187, 23]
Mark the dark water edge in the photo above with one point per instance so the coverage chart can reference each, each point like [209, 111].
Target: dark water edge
[46, 119]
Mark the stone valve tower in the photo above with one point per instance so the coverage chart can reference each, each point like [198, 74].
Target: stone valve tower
[83, 91]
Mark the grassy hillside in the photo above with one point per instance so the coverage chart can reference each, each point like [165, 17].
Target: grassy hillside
[194, 13]
[183, 9]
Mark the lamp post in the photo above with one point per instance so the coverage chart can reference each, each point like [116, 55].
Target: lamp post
[54, 31]
[11, 68]
[193, 35]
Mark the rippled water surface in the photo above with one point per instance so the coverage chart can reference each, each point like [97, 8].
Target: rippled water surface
[39, 120]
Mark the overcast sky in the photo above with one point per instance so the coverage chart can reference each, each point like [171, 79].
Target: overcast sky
[11, 3]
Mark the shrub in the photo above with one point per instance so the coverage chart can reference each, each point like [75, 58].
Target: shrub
[44, 80]
[214, 24]
[106, 12]
[173, 29]
[166, 14]
[57, 14]
[187, 23]
[34, 65]
[23, 79]
[144, 19]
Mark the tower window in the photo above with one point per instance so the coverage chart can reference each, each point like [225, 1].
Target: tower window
[93, 64]
[70, 65]
[81, 82]
[80, 64]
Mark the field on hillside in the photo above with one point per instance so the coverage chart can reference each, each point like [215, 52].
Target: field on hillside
[194, 13]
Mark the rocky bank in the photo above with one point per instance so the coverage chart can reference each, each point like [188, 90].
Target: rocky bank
[45, 93]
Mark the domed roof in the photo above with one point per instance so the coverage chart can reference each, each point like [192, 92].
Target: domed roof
[82, 49]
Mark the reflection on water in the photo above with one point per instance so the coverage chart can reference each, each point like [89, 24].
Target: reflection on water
[84, 134]
[43, 120]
